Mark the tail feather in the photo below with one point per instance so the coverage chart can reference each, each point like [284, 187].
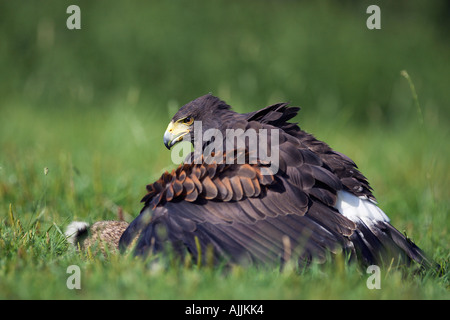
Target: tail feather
[378, 242]
[409, 248]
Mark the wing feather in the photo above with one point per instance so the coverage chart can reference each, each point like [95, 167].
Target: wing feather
[245, 215]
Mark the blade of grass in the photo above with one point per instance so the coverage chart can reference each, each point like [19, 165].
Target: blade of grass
[405, 74]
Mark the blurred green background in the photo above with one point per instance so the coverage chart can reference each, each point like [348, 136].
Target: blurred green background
[103, 95]
[147, 53]
[92, 104]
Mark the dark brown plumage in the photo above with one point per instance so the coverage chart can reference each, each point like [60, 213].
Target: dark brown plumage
[313, 206]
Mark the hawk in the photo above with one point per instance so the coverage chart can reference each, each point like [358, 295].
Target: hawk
[309, 203]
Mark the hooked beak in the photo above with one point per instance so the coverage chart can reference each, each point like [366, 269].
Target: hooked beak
[175, 133]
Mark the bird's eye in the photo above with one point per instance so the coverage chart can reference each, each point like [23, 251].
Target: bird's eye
[188, 120]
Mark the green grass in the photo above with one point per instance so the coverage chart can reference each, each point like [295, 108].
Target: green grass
[86, 182]
[92, 105]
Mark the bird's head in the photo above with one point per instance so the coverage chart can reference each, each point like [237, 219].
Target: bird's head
[207, 109]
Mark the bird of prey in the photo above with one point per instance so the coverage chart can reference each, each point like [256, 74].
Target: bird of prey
[235, 204]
